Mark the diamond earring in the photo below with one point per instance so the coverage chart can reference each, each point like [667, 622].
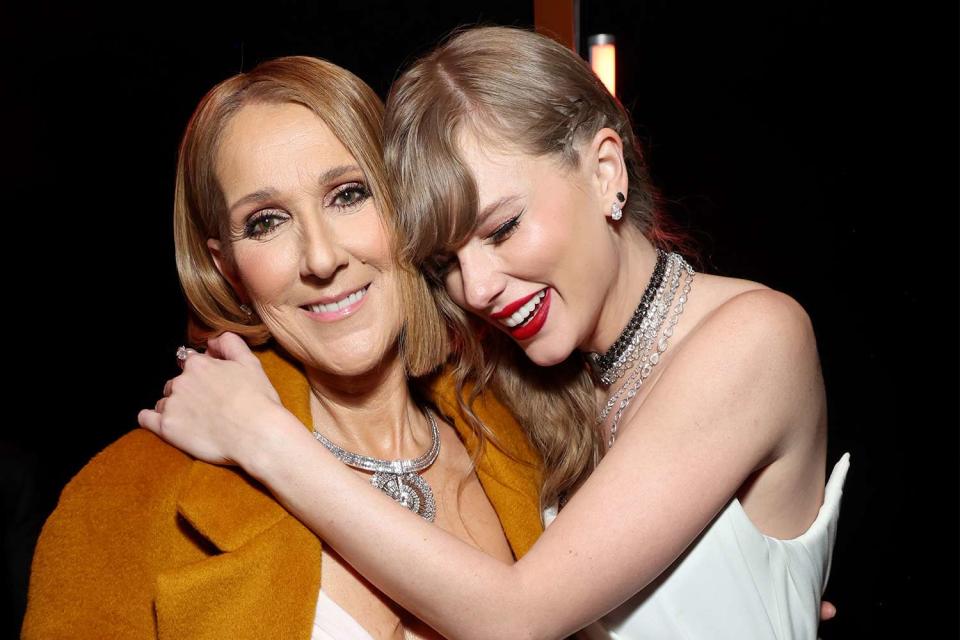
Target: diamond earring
[616, 209]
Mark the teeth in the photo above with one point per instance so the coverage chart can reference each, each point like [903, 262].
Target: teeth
[523, 313]
[339, 304]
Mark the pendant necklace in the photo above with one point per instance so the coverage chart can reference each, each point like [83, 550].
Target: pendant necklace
[399, 479]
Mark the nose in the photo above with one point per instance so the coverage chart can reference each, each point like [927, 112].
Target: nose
[480, 278]
[322, 253]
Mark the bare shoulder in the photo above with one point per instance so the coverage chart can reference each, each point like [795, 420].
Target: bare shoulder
[762, 341]
[748, 316]
[745, 337]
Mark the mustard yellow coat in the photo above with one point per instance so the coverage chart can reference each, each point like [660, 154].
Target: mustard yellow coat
[148, 542]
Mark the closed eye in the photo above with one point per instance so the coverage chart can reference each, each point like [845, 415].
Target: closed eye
[505, 230]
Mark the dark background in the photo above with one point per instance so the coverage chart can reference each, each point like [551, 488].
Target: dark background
[813, 146]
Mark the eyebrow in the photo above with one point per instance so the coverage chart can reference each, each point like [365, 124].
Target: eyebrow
[333, 173]
[268, 193]
[256, 196]
[493, 206]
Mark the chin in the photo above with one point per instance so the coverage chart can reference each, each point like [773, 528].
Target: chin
[349, 358]
[546, 353]
[350, 365]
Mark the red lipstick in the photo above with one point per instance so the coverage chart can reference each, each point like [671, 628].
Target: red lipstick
[511, 308]
[534, 324]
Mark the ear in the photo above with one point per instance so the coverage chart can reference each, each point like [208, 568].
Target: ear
[608, 167]
[225, 267]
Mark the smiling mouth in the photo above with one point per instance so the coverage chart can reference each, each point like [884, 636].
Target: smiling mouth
[341, 304]
[524, 314]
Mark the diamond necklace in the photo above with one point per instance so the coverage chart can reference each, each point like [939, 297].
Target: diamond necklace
[650, 358]
[397, 478]
[610, 365]
[639, 362]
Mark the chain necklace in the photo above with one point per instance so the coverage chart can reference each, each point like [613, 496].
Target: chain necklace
[648, 333]
[610, 365]
[399, 479]
[649, 358]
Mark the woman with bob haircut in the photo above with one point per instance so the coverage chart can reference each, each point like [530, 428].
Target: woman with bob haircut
[681, 417]
[283, 226]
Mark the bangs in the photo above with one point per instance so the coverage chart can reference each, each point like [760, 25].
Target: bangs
[437, 195]
[436, 192]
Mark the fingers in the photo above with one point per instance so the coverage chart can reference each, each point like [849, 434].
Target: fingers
[158, 408]
[183, 353]
[230, 346]
[168, 388]
[149, 420]
[827, 610]
[213, 348]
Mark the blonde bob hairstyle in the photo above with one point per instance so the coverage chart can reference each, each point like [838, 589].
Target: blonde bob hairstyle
[354, 114]
[511, 89]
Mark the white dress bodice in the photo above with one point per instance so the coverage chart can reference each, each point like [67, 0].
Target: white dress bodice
[735, 583]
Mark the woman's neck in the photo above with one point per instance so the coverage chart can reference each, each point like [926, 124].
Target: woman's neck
[371, 414]
[636, 259]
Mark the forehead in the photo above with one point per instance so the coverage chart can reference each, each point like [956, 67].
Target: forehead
[275, 145]
[500, 168]
[492, 163]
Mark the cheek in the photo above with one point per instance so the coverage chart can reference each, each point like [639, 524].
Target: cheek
[366, 238]
[376, 247]
[569, 241]
[267, 270]
[546, 248]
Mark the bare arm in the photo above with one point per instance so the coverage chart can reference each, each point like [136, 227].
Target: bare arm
[721, 410]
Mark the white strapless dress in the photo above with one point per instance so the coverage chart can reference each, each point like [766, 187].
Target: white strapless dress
[735, 583]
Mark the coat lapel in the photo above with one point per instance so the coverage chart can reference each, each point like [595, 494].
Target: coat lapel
[264, 575]
[509, 469]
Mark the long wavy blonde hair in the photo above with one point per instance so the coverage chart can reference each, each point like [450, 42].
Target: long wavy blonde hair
[354, 114]
[516, 89]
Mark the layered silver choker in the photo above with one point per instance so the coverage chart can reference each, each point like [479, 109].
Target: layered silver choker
[639, 354]
[610, 366]
[399, 479]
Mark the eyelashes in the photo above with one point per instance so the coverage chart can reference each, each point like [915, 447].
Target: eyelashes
[439, 265]
[265, 221]
[252, 229]
[349, 195]
[506, 229]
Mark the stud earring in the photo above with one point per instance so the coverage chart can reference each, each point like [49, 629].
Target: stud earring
[246, 310]
[616, 209]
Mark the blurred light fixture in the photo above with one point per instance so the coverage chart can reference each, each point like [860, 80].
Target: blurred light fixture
[603, 59]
